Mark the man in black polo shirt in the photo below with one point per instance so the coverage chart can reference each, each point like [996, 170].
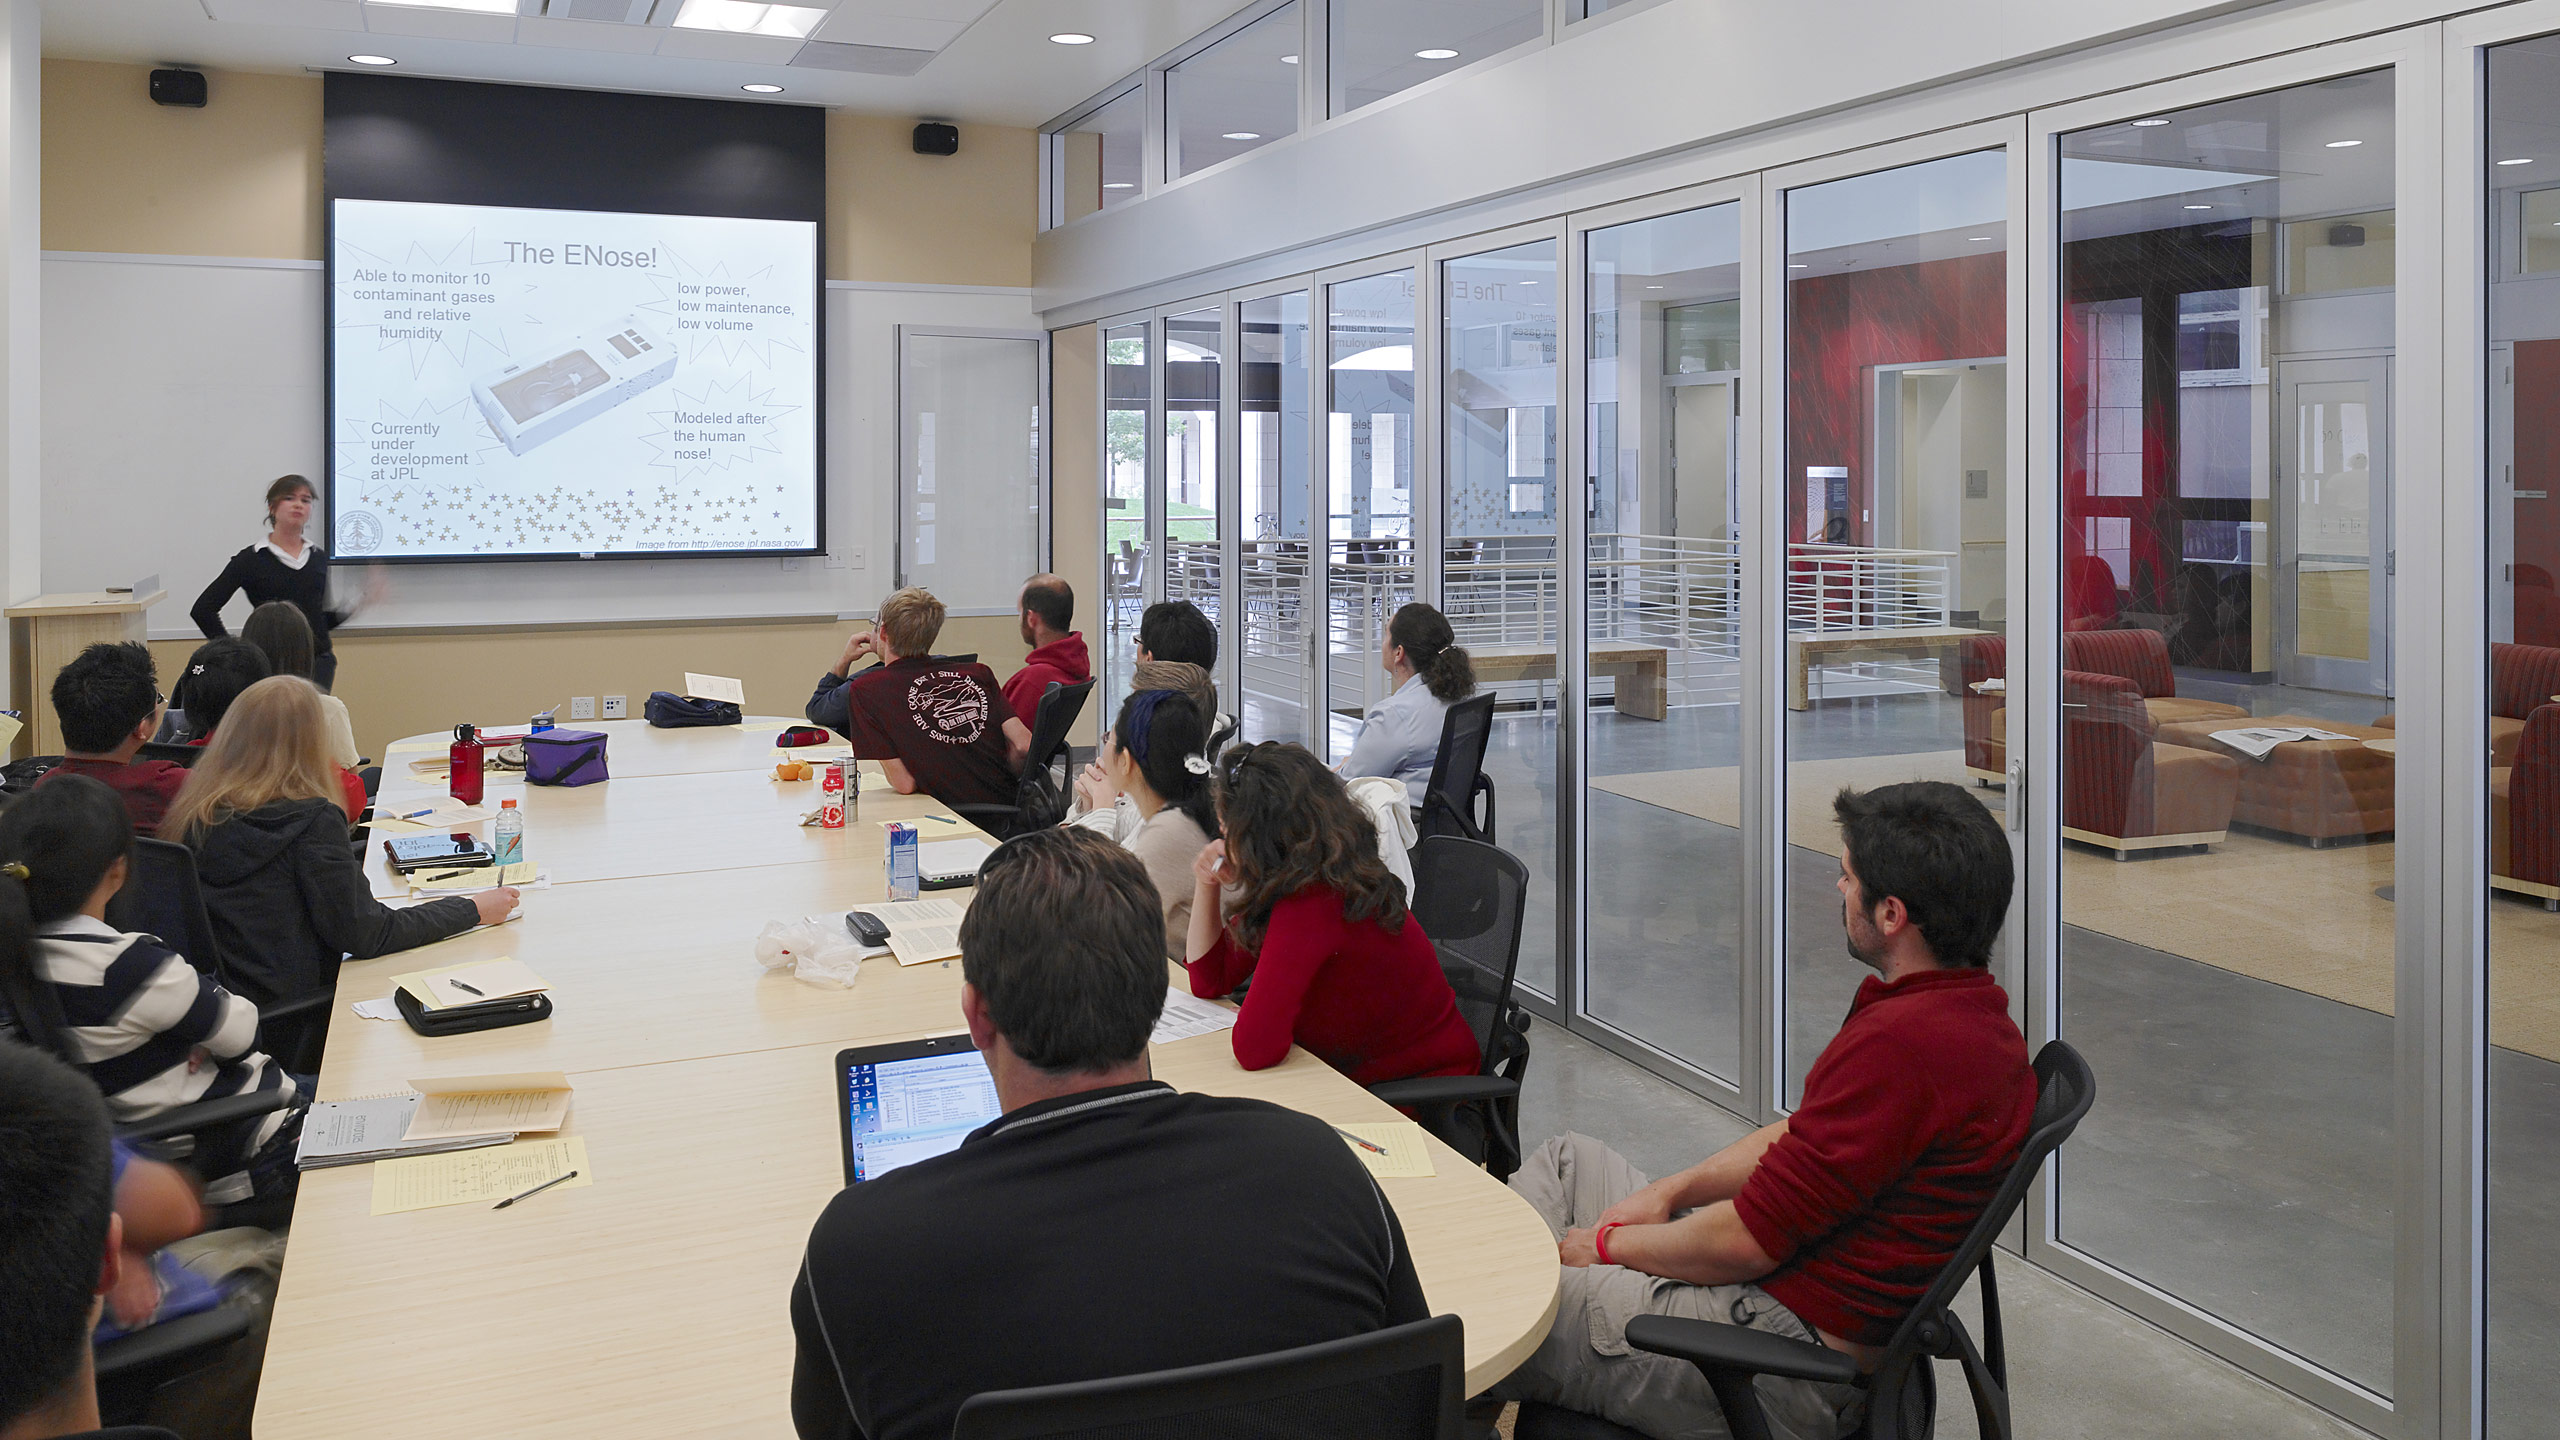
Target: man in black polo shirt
[1107, 1224]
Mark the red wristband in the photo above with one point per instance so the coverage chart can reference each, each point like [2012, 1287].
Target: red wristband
[1600, 1241]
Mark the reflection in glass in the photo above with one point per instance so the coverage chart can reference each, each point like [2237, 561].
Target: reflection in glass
[1499, 576]
[1381, 47]
[1896, 491]
[2524, 738]
[1238, 95]
[1272, 444]
[1369, 482]
[1100, 158]
[1125, 389]
[1663, 389]
[1191, 534]
[2227, 941]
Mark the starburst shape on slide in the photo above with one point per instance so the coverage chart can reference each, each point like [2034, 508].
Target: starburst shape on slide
[459, 427]
[718, 396]
[461, 340]
[772, 332]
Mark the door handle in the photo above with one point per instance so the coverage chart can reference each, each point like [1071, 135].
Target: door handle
[2017, 802]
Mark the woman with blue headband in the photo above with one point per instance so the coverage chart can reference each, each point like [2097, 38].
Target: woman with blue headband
[1153, 757]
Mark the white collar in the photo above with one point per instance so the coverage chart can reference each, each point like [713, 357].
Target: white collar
[291, 562]
[76, 923]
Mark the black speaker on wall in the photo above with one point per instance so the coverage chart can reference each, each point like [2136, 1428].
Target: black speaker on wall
[178, 87]
[936, 138]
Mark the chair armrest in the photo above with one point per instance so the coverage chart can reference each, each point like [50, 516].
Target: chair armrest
[182, 1341]
[1736, 1350]
[203, 1115]
[1445, 1089]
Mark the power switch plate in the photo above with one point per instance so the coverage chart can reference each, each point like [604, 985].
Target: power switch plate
[617, 707]
[582, 707]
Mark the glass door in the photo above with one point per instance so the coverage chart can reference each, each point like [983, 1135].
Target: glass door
[1369, 565]
[1276, 643]
[1194, 366]
[1128, 389]
[2333, 545]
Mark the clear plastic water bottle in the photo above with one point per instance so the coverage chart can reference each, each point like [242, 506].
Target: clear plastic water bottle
[508, 834]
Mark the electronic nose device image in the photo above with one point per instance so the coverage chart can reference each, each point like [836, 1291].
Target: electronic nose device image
[540, 400]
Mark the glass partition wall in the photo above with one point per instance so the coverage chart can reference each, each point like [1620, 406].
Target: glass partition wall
[1663, 841]
[2227, 785]
[1369, 555]
[1128, 527]
[1276, 642]
[1895, 487]
[1194, 364]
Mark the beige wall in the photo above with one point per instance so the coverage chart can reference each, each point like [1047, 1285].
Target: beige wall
[239, 177]
[242, 178]
[1075, 487]
[965, 219]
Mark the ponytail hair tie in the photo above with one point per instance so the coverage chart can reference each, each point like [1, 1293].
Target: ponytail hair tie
[1196, 764]
[15, 871]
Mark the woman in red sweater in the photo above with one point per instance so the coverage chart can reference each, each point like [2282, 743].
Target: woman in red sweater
[1336, 963]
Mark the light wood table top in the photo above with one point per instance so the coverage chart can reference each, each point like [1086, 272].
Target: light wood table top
[636, 747]
[654, 1302]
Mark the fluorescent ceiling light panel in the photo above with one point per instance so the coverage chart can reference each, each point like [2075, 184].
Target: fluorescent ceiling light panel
[477, 7]
[738, 17]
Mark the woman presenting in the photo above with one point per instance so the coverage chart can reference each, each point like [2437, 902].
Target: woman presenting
[287, 567]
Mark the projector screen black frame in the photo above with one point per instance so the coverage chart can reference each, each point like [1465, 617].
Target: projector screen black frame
[457, 142]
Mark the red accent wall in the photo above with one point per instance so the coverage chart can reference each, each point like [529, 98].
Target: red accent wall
[2538, 452]
[1841, 326]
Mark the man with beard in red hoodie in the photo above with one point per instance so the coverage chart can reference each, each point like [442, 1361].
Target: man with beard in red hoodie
[1057, 653]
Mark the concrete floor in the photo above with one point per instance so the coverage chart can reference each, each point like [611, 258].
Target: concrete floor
[2080, 1369]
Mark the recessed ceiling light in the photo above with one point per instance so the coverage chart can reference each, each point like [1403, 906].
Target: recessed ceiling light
[2344, 144]
[1242, 135]
[1288, 59]
[1978, 239]
[762, 89]
[373, 60]
[1435, 54]
[1528, 282]
[2199, 207]
[740, 17]
[2147, 124]
[1653, 287]
[1120, 185]
[2524, 160]
[1798, 265]
[1071, 37]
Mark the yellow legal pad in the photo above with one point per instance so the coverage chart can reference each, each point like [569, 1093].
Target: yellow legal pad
[1407, 1158]
[486, 1176]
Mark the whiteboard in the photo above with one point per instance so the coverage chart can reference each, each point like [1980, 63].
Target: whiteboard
[970, 465]
[176, 388]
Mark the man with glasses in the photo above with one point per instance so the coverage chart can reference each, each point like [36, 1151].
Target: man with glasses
[108, 699]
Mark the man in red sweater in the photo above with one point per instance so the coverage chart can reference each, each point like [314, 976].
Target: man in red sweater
[108, 700]
[1828, 1225]
[1057, 653]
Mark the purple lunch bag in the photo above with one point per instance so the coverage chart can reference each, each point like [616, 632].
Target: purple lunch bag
[564, 757]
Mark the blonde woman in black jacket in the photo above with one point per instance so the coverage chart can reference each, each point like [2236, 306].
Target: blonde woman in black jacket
[287, 895]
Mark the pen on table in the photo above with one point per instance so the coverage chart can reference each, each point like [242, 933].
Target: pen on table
[1356, 1140]
[536, 1190]
[447, 874]
[466, 987]
[945, 819]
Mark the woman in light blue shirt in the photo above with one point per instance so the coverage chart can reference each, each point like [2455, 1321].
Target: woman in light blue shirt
[1401, 737]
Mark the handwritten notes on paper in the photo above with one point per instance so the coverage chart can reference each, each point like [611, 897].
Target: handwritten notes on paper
[479, 1104]
[1406, 1157]
[463, 1177]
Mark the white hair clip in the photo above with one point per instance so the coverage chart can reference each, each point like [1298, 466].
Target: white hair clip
[1196, 764]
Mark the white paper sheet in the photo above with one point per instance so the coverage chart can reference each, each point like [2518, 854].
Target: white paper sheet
[1186, 1015]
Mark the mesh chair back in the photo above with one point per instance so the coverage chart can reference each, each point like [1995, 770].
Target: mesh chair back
[1472, 900]
[1448, 801]
[162, 897]
[1060, 704]
[1404, 1383]
[184, 756]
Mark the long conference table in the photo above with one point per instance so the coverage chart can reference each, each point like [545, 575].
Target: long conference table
[654, 1301]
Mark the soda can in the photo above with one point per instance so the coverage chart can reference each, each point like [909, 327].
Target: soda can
[831, 795]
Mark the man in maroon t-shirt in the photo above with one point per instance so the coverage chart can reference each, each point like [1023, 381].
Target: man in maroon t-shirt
[108, 700]
[1828, 1225]
[936, 726]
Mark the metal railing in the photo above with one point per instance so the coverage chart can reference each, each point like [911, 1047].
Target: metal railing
[1856, 587]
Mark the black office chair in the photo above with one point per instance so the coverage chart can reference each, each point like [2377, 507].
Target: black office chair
[184, 756]
[163, 897]
[1457, 773]
[1404, 1383]
[1730, 1355]
[1472, 899]
[1038, 800]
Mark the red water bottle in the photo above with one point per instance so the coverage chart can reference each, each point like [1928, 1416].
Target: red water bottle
[463, 760]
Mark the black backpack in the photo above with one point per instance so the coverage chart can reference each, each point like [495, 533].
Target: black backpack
[668, 710]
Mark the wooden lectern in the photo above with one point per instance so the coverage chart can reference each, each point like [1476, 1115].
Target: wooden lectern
[45, 633]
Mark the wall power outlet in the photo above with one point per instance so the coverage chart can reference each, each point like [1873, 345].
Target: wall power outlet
[582, 707]
[617, 707]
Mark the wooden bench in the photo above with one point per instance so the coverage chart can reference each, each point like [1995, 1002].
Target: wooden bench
[1643, 671]
[1808, 648]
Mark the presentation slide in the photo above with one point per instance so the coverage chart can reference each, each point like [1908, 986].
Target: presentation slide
[512, 382]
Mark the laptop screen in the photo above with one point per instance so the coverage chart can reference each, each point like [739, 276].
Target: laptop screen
[903, 1111]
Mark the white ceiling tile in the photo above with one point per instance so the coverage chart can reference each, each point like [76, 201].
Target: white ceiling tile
[588, 35]
[855, 27]
[307, 14]
[438, 24]
[722, 45]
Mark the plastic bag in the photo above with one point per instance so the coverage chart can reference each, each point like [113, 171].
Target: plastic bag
[810, 952]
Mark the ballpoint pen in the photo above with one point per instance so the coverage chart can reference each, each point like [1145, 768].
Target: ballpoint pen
[1356, 1140]
[536, 1190]
[466, 987]
[446, 874]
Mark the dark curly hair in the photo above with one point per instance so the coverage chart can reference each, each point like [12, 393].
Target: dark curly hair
[1290, 824]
